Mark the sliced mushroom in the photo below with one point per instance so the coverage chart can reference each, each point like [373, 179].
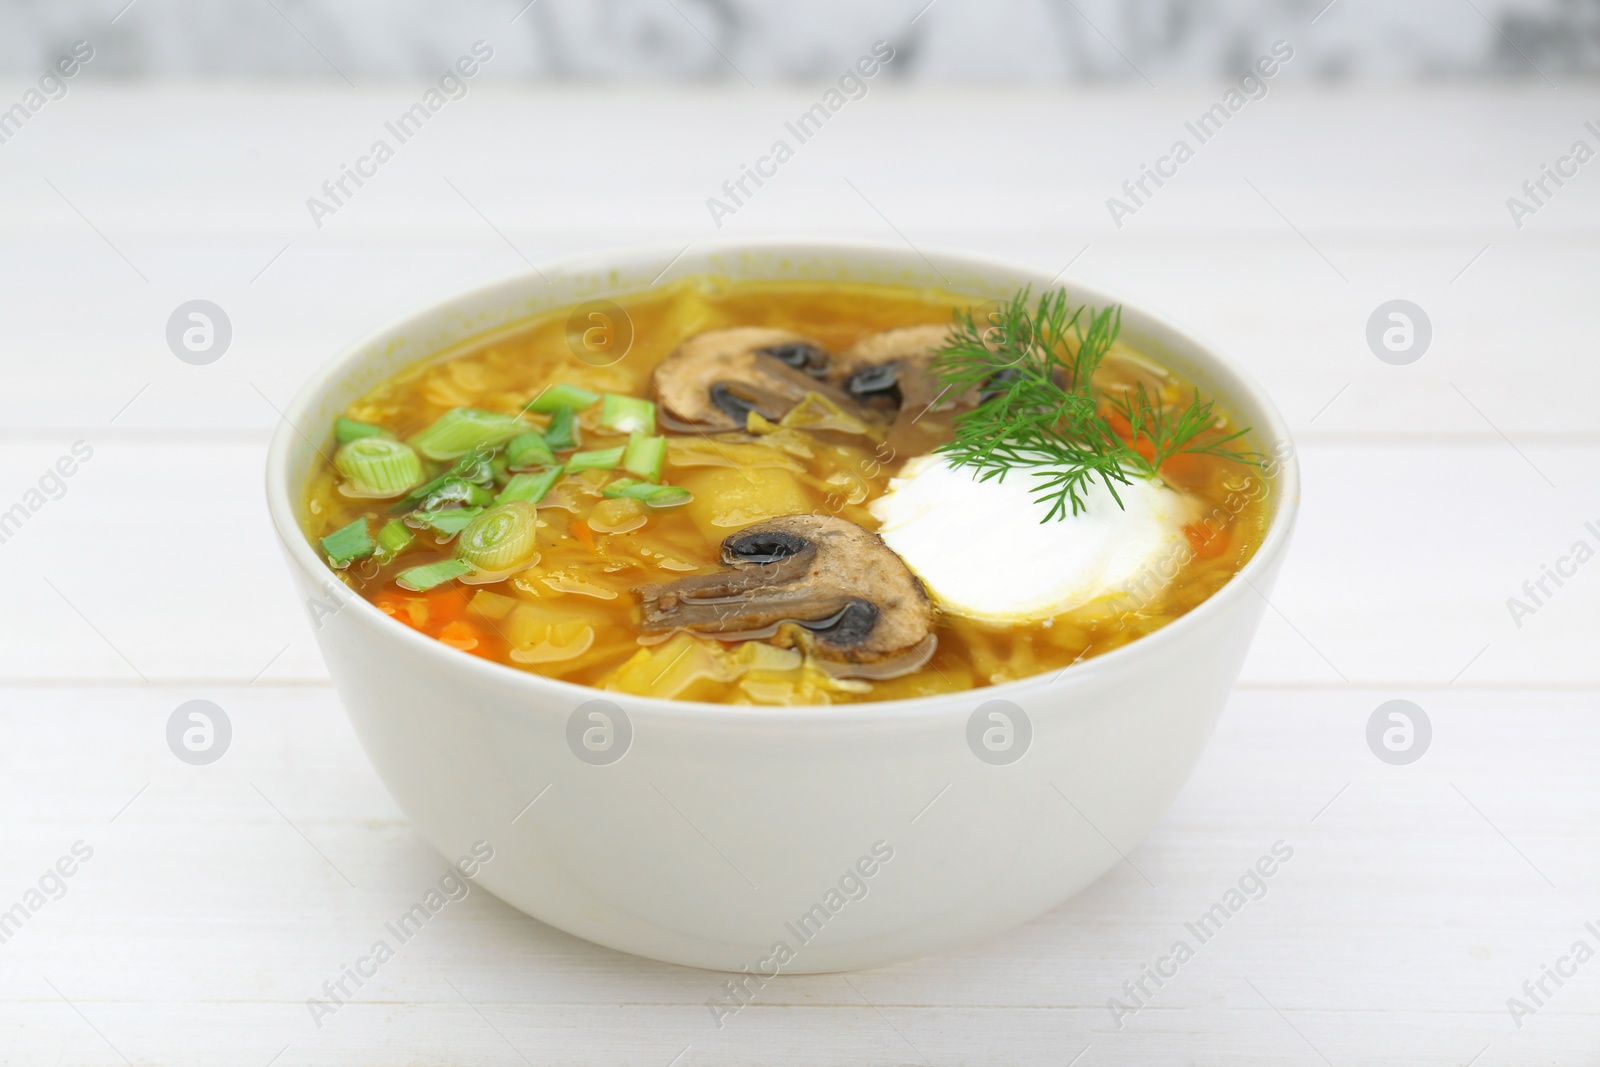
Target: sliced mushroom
[888, 371]
[891, 371]
[864, 609]
[714, 380]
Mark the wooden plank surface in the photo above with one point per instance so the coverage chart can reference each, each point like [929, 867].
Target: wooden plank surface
[1299, 219]
[218, 899]
[1395, 933]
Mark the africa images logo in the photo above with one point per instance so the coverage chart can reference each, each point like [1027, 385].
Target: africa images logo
[452, 85]
[853, 885]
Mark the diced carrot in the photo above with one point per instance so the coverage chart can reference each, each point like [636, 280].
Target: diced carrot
[1185, 468]
[583, 533]
[1119, 425]
[1124, 429]
[460, 634]
[446, 605]
[1207, 543]
[411, 610]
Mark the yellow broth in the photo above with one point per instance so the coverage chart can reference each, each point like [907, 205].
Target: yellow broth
[573, 613]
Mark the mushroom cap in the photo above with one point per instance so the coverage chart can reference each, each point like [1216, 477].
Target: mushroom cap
[863, 608]
[711, 381]
[889, 370]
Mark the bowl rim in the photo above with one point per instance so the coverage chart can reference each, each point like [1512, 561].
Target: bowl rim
[282, 508]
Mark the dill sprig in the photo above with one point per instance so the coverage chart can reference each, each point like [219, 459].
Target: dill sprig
[1038, 411]
[1169, 431]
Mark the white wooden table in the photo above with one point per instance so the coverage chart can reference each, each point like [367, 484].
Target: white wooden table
[219, 898]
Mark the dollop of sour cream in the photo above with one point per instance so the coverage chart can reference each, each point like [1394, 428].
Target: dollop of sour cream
[982, 549]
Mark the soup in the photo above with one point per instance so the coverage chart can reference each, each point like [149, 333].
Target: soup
[788, 493]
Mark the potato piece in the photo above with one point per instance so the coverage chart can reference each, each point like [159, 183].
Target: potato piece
[539, 633]
[710, 452]
[617, 516]
[684, 667]
[540, 583]
[552, 642]
[492, 606]
[726, 500]
[576, 582]
[557, 609]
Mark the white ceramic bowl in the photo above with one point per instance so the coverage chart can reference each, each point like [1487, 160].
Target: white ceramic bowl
[737, 837]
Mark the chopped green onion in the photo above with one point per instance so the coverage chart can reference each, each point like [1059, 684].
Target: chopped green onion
[668, 496]
[429, 575]
[628, 414]
[394, 538]
[422, 492]
[501, 538]
[473, 467]
[451, 521]
[625, 487]
[656, 496]
[645, 456]
[347, 430]
[348, 544]
[562, 396]
[460, 430]
[530, 486]
[476, 466]
[563, 432]
[378, 467]
[529, 450]
[603, 459]
[456, 491]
